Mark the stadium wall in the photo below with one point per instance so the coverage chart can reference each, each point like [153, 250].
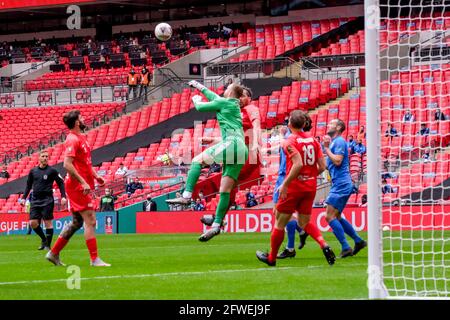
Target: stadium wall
[262, 220]
[12, 224]
[127, 216]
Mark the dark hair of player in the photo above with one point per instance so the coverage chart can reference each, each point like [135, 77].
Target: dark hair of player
[308, 123]
[297, 119]
[70, 118]
[340, 125]
[249, 91]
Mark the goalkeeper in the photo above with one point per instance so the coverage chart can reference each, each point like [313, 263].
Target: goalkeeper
[231, 151]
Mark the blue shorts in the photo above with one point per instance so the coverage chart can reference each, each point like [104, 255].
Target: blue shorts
[339, 196]
[276, 194]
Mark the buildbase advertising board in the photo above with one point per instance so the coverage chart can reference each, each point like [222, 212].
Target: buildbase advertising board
[405, 218]
[11, 224]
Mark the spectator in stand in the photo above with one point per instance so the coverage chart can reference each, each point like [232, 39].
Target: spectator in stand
[350, 143]
[359, 148]
[107, 201]
[138, 184]
[286, 121]
[439, 115]
[391, 131]
[132, 186]
[133, 81]
[424, 130]
[129, 189]
[166, 158]
[251, 199]
[426, 156]
[408, 116]
[4, 174]
[361, 133]
[199, 205]
[145, 83]
[363, 200]
[387, 188]
[122, 170]
[149, 205]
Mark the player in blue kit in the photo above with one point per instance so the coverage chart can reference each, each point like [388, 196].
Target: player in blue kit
[338, 164]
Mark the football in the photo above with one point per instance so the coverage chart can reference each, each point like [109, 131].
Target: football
[163, 31]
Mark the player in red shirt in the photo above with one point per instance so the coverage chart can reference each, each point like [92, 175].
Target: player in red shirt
[304, 162]
[251, 122]
[79, 183]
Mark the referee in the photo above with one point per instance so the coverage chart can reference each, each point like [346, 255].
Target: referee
[41, 179]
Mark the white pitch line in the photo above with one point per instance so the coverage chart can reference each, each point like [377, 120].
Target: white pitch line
[170, 274]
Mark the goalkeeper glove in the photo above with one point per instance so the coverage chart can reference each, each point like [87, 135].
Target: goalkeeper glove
[196, 85]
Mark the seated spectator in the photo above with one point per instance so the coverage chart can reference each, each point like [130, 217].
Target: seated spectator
[166, 158]
[408, 116]
[363, 201]
[149, 205]
[359, 148]
[388, 175]
[251, 199]
[427, 155]
[122, 170]
[350, 143]
[391, 131]
[387, 188]
[439, 115]
[199, 205]
[4, 174]
[132, 186]
[138, 184]
[424, 130]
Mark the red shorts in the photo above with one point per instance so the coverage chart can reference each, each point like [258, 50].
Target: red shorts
[300, 201]
[79, 202]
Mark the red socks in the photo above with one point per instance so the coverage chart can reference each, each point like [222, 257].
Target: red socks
[275, 242]
[315, 234]
[92, 247]
[59, 245]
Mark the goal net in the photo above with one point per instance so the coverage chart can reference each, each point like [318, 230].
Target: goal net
[407, 47]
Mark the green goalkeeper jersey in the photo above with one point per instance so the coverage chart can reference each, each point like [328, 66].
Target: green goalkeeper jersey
[228, 113]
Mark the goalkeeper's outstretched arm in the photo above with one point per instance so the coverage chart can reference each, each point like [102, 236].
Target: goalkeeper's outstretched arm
[211, 106]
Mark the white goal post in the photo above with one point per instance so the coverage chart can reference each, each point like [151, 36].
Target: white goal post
[407, 67]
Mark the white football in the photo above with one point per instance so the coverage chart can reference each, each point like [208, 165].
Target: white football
[163, 31]
[386, 228]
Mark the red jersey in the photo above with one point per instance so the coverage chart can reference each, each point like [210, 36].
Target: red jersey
[77, 147]
[249, 114]
[309, 149]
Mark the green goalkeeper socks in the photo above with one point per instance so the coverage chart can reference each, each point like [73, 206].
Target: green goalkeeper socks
[193, 175]
[222, 207]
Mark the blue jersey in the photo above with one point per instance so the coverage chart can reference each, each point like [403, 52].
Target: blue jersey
[282, 168]
[340, 175]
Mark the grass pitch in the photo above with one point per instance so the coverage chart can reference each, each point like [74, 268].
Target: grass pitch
[179, 267]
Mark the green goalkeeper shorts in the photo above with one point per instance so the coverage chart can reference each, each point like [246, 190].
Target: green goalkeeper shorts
[232, 153]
